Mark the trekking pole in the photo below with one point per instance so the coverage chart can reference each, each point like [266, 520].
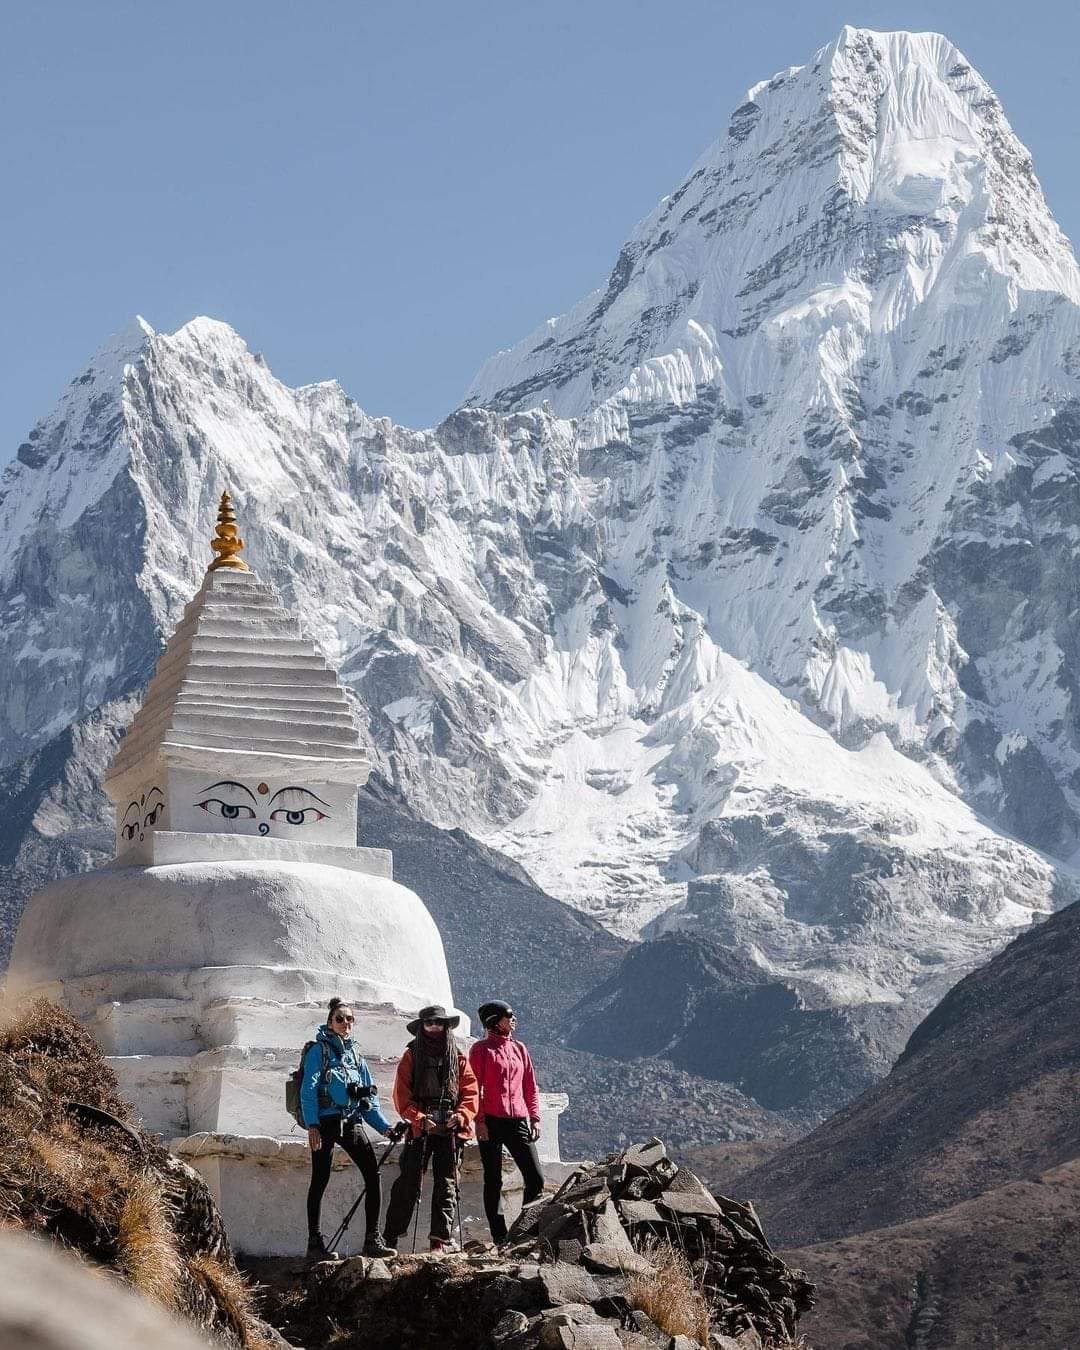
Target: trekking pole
[424, 1158]
[459, 1149]
[395, 1139]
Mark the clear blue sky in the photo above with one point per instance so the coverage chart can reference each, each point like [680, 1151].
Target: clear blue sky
[385, 192]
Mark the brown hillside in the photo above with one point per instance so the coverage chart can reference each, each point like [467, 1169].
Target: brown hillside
[986, 1092]
[998, 1270]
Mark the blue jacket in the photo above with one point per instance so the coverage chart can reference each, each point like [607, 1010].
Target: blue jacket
[329, 1096]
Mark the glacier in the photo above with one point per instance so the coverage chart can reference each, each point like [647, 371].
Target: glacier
[737, 600]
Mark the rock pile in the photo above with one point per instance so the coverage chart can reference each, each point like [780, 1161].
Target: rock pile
[577, 1268]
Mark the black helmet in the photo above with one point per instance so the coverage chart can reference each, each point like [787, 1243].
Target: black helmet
[495, 1011]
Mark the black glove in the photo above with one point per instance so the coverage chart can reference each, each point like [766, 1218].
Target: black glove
[398, 1131]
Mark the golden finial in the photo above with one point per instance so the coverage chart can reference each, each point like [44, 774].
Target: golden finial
[227, 542]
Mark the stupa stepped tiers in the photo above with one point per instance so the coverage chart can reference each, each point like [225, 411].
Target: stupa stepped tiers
[202, 957]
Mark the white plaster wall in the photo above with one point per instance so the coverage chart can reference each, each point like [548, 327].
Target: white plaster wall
[142, 810]
[161, 847]
[379, 1031]
[83, 994]
[148, 1026]
[323, 923]
[227, 799]
[157, 1087]
[552, 1105]
[261, 1186]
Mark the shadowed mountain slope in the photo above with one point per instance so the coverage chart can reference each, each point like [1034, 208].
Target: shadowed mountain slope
[985, 1093]
[998, 1270]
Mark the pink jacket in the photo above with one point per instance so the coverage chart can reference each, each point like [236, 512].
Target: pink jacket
[505, 1074]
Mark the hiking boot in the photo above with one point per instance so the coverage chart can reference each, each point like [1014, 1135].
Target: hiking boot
[317, 1250]
[376, 1245]
[440, 1245]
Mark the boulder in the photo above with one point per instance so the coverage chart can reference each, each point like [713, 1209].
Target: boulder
[572, 1312]
[601, 1337]
[564, 1283]
[615, 1260]
[509, 1326]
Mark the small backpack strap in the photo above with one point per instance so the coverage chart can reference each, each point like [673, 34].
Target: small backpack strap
[324, 1093]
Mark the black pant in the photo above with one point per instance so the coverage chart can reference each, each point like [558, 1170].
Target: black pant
[355, 1144]
[511, 1132]
[441, 1153]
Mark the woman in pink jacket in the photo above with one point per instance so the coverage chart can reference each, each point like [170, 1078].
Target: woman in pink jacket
[509, 1114]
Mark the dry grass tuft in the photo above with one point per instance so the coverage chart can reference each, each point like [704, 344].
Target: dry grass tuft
[60, 1056]
[146, 1250]
[670, 1295]
[233, 1297]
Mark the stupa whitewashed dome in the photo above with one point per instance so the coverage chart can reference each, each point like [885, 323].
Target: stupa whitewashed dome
[137, 931]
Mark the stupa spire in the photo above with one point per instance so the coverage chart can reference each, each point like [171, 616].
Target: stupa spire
[227, 542]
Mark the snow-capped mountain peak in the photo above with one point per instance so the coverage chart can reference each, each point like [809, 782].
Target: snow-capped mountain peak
[844, 192]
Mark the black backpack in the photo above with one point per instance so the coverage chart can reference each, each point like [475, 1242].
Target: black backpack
[296, 1078]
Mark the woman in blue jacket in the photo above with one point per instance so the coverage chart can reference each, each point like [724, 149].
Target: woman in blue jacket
[337, 1092]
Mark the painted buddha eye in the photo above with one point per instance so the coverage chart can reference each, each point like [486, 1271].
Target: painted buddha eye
[294, 806]
[214, 806]
[153, 817]
[129, 827]
[308, 814]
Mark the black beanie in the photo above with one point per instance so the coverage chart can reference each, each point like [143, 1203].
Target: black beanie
[490, 1013]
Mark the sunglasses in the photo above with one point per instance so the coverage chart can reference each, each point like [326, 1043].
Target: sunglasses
[434, 1024]
[343, 1017]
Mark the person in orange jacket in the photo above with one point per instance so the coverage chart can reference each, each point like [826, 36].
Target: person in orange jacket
[435, 1090]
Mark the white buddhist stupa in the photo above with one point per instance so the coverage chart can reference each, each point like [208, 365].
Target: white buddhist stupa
[202, 957]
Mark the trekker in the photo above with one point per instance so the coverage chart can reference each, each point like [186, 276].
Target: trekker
[337, 1092]
[435, 1091]
[509, 1112]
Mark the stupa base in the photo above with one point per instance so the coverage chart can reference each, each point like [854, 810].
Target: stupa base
[260, 1186]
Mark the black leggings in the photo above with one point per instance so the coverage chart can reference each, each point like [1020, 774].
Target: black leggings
[511, 1132]
[360, 1151]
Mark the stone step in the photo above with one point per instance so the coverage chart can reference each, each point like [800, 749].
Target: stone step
[148, 1026]
[321, 748]
[236, 701]
[256, 650]
[238, 726]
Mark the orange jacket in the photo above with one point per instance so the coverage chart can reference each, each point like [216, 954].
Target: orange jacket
[468, 1095]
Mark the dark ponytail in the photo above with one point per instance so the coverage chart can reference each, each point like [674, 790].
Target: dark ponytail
[335, 1004]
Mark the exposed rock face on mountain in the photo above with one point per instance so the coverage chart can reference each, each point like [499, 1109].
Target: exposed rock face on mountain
[617, 1099]
[985, 1093]
[760, 626]
[690, 1001]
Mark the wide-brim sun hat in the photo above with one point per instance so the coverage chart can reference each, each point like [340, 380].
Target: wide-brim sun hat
[434, 1013]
